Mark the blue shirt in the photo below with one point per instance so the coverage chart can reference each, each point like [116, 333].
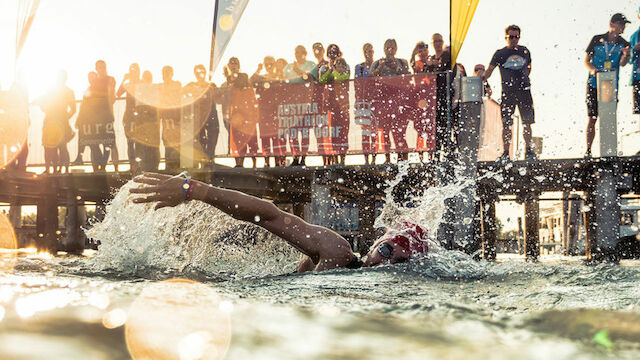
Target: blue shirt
[635, 57]
[605, 55]
[362, 71]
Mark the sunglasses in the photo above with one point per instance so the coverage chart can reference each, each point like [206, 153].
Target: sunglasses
[511, 37]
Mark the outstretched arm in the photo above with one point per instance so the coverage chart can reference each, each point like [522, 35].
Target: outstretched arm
[326, 248]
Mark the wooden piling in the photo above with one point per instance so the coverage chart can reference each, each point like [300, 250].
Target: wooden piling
[531, 227]
[489, 228]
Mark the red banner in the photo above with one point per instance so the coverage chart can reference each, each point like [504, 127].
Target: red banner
[371, 115]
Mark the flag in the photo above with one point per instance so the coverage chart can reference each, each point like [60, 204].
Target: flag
[227, 14]
[26, 14]
[461, 15]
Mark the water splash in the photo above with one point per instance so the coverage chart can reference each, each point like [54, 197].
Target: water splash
[192, 236]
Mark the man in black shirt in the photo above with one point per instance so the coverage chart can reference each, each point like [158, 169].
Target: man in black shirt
[515, 66]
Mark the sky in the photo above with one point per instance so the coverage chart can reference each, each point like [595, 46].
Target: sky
[72, 35]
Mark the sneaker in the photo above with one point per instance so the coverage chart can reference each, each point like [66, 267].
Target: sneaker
[504, 157]
[587, 155]
[530, 155]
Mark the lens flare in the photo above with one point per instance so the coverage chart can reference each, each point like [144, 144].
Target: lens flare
[8, 245]
[178, 319]
[14, 126]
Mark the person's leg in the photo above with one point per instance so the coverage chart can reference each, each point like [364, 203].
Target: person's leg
[97, 157]
[592, 113]
[527, 113]
[49, 156]
[131, 154]
[507, 108]
[64, 156]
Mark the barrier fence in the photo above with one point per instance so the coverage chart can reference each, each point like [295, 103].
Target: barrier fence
[361, 116]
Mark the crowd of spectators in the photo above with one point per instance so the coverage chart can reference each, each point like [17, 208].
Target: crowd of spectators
[154, 112]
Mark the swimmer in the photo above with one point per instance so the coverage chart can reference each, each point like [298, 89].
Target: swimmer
[323, 248]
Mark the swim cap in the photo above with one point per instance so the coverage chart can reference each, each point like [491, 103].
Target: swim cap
[411, 237]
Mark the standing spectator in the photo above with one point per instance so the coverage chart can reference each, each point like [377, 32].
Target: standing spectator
[318, 53]
[104, 96]
[362, 69]
[606, 52]
[269, 66]
[58, 106]
[242, 111]
[147, 124]
[300, 70]
[515, 67]
[85, 124]
[281, 64]
[388, 122]
[635, 71]
[363, 103]
[421, 51]
[336, 100]
[440, 62]
[478, 71]
[170, 101]
[205, 116]
[128, 84]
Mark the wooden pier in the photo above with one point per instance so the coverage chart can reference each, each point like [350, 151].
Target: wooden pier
[300, 187]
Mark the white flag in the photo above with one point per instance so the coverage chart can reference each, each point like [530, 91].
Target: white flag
[226, 18]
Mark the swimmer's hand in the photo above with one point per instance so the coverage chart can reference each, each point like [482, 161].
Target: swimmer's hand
[164, 189]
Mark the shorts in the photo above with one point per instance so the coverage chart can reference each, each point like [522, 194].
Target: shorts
[592, 102]
[524, 101]
[636, 96]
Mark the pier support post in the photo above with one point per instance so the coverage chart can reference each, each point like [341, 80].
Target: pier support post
[469, 125]
[489, 228]
[72, 242]
[366, 219]
[321, 207]
[47, 217]
[606, 208]
[531, 227]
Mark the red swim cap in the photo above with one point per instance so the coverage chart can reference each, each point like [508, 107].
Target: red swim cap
[411, 237]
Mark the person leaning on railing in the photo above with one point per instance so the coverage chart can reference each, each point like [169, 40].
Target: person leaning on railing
[388, 122]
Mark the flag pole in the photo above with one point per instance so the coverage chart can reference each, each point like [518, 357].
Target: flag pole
[213, 38]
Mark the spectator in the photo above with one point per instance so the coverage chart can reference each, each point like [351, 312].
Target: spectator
[363, 103]
[205, 116]
[336, 100]
[362, 69]
[318, 53]
[388, 122]
[300, 70]
[421, 51]
[269, 66]
[128, 84]
[635, 71]
[514, 61]
[147, 124]
[242, 112]
[281, 64]
[478, 71]
[89, 126]
[170, 101]
[606, 52]
[103, 96]
[440, 62]
[58, 106]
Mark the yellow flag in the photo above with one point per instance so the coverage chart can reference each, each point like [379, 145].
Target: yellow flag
[461, 15]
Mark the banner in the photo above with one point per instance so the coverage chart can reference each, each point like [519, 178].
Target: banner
[370, 115]
[461, 15]
[226, 17]
[26, 14]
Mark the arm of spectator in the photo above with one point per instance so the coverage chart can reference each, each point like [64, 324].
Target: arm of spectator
[404, 67]
[72, 105]
[122, 89]
[589, 64]
[376, 68]
[487, 74]
[626, 51]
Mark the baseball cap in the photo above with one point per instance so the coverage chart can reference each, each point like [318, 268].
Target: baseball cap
[619, 18]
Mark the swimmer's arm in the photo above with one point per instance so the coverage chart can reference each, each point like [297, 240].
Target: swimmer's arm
[326, 248]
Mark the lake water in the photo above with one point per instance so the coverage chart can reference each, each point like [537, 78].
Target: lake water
[189, 282]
